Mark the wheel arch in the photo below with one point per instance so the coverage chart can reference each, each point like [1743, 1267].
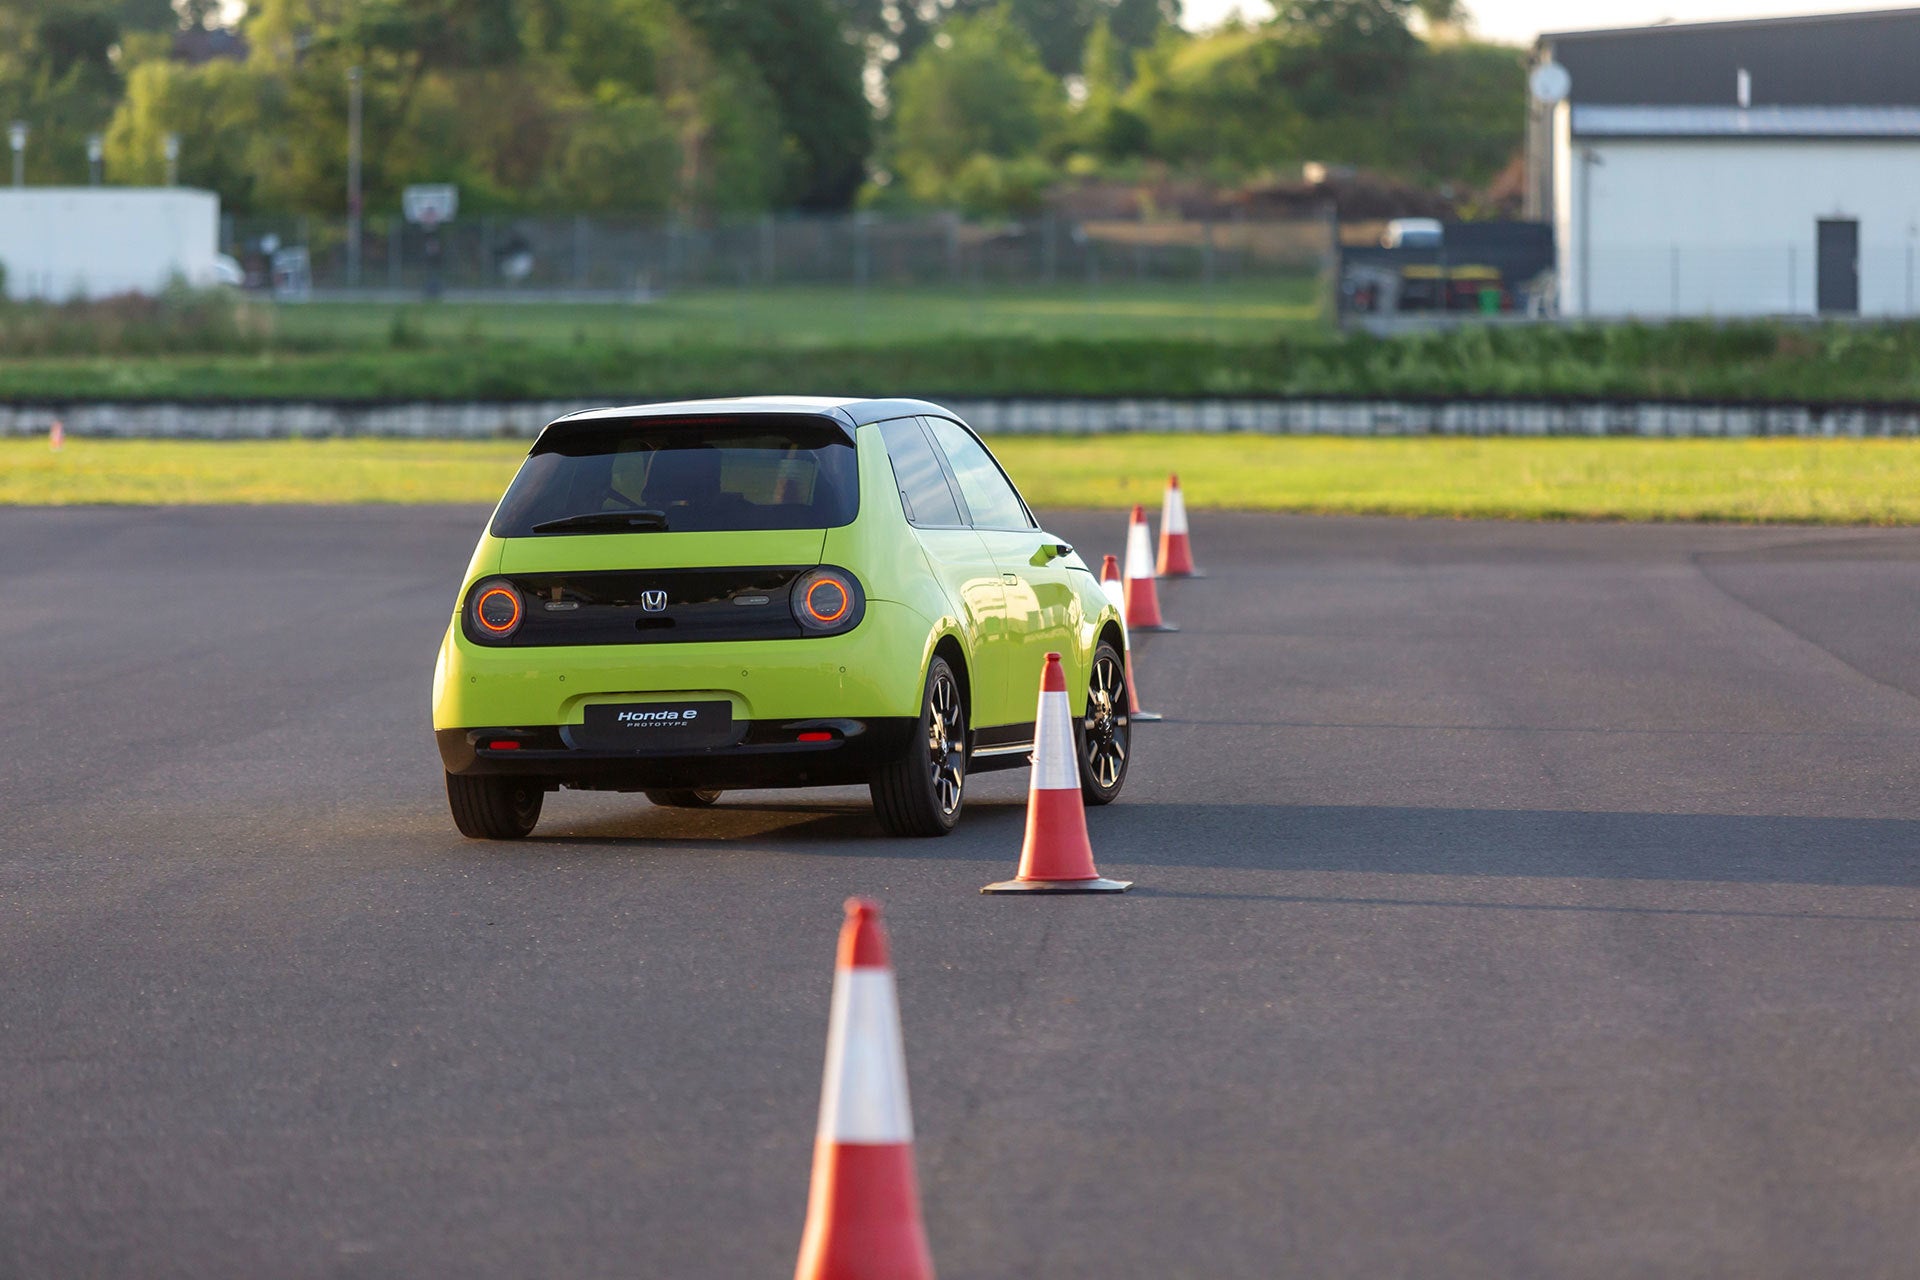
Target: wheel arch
[948, 646]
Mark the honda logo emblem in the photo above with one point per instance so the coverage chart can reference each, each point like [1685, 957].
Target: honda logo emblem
[653, 601]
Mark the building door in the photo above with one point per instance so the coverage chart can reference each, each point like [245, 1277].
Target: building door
[1838, 285]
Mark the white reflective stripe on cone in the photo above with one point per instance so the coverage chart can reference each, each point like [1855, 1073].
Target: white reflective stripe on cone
[1116, 593]
[1174, 518]
[1055, 767]
[863, 1097]
[1139, 551]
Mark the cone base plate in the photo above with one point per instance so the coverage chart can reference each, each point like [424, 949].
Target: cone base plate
[1197, 573]
[1145, 717]
[1095, 885]
[1157, 626]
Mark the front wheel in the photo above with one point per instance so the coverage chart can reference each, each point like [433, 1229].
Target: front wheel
[1105, 732]
[920, 793]
[490, 808]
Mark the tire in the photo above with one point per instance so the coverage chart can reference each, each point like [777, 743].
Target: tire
[682, 798]
[922, 793]
[491, 808]
[1104, 733]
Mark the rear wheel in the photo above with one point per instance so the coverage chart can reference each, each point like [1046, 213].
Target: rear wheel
[684, 799]
[1105, 733]
[488, 808]
[920, 794]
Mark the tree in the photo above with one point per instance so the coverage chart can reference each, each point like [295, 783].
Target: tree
[814, 70]
[1105, 125]
[1352, 48]
[978, 90]
[1060, 28]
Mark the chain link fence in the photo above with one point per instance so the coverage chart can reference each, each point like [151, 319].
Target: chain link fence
[612, 257]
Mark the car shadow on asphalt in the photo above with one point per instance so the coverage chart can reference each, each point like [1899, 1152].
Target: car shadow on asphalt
[822, 827]
[1737, 848]
[1754, 849]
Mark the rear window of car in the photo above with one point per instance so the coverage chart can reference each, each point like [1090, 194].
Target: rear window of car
[701, 475]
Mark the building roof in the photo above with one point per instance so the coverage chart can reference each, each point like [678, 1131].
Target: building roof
[1841, 59]
[1603, 121]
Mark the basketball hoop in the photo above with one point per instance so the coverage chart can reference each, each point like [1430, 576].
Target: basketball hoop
[430, 204]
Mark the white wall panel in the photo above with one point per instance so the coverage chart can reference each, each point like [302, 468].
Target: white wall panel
[1728, 226]
[89, 242]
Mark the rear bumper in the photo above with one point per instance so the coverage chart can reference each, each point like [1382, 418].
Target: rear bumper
[765, 753]
[873, 671]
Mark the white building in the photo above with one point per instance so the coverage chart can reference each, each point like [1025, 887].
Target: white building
[1769, 167]
[90, 242]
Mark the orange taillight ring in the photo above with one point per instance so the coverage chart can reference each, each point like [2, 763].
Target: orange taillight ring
[846, 602]
[480, 608]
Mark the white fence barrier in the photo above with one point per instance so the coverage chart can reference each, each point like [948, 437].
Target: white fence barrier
[522, 419]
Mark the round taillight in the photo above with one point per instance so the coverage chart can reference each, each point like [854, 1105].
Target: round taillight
[826, 601]
[497, 609]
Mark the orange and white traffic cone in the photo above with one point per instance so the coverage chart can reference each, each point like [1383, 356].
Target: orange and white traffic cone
[1143, 601]
[1110, 583]
[56, 435]
[1057, 856]
[863, 1214]
[1176, 551]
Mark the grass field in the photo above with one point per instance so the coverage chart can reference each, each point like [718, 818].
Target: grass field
[1797, 481]
[1121, 339]
[1117, 338]
[806, 317]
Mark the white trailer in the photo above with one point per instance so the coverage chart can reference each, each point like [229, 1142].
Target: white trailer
[60, 243]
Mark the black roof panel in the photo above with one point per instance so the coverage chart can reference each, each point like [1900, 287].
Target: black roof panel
[1845, 59]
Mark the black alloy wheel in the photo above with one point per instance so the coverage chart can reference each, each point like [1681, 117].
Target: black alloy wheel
[494, 808]
[921, 793]
[1105, 731]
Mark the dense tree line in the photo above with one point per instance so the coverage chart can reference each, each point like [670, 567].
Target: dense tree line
[708, 107]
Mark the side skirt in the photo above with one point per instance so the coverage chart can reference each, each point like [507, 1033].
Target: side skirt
[1002, 746]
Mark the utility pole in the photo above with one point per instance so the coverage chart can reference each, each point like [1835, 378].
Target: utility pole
[96, 151]
[171, 145]
[353, 177]
[17, 139]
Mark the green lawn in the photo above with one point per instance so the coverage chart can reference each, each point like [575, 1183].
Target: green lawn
[1799, 481]
[828, 316]
[1265, 339]
[1117, 339]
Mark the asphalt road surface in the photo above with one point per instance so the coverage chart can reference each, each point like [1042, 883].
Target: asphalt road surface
[1514, 900]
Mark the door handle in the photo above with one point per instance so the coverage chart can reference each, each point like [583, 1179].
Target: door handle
[1011, 579]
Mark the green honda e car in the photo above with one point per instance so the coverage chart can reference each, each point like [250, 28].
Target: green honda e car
[684, 599]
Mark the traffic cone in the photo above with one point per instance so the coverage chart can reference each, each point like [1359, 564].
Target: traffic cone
[1176, 552]
[863, 1213]
[1110, 583]
[1057, 856]
[56, 436]
[1143, 601]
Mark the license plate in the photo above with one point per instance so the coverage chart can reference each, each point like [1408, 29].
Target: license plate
[656, 726]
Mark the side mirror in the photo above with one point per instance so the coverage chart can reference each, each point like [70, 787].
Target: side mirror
[1049, 552]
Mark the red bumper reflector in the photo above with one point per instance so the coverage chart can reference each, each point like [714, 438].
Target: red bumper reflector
[816, 736]
[503, 745]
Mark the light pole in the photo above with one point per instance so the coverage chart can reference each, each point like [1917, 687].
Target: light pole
[172, 147]
[96, 149]
[353, 177]
[17, 139]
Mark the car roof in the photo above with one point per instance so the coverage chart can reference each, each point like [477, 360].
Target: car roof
[852, 410]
